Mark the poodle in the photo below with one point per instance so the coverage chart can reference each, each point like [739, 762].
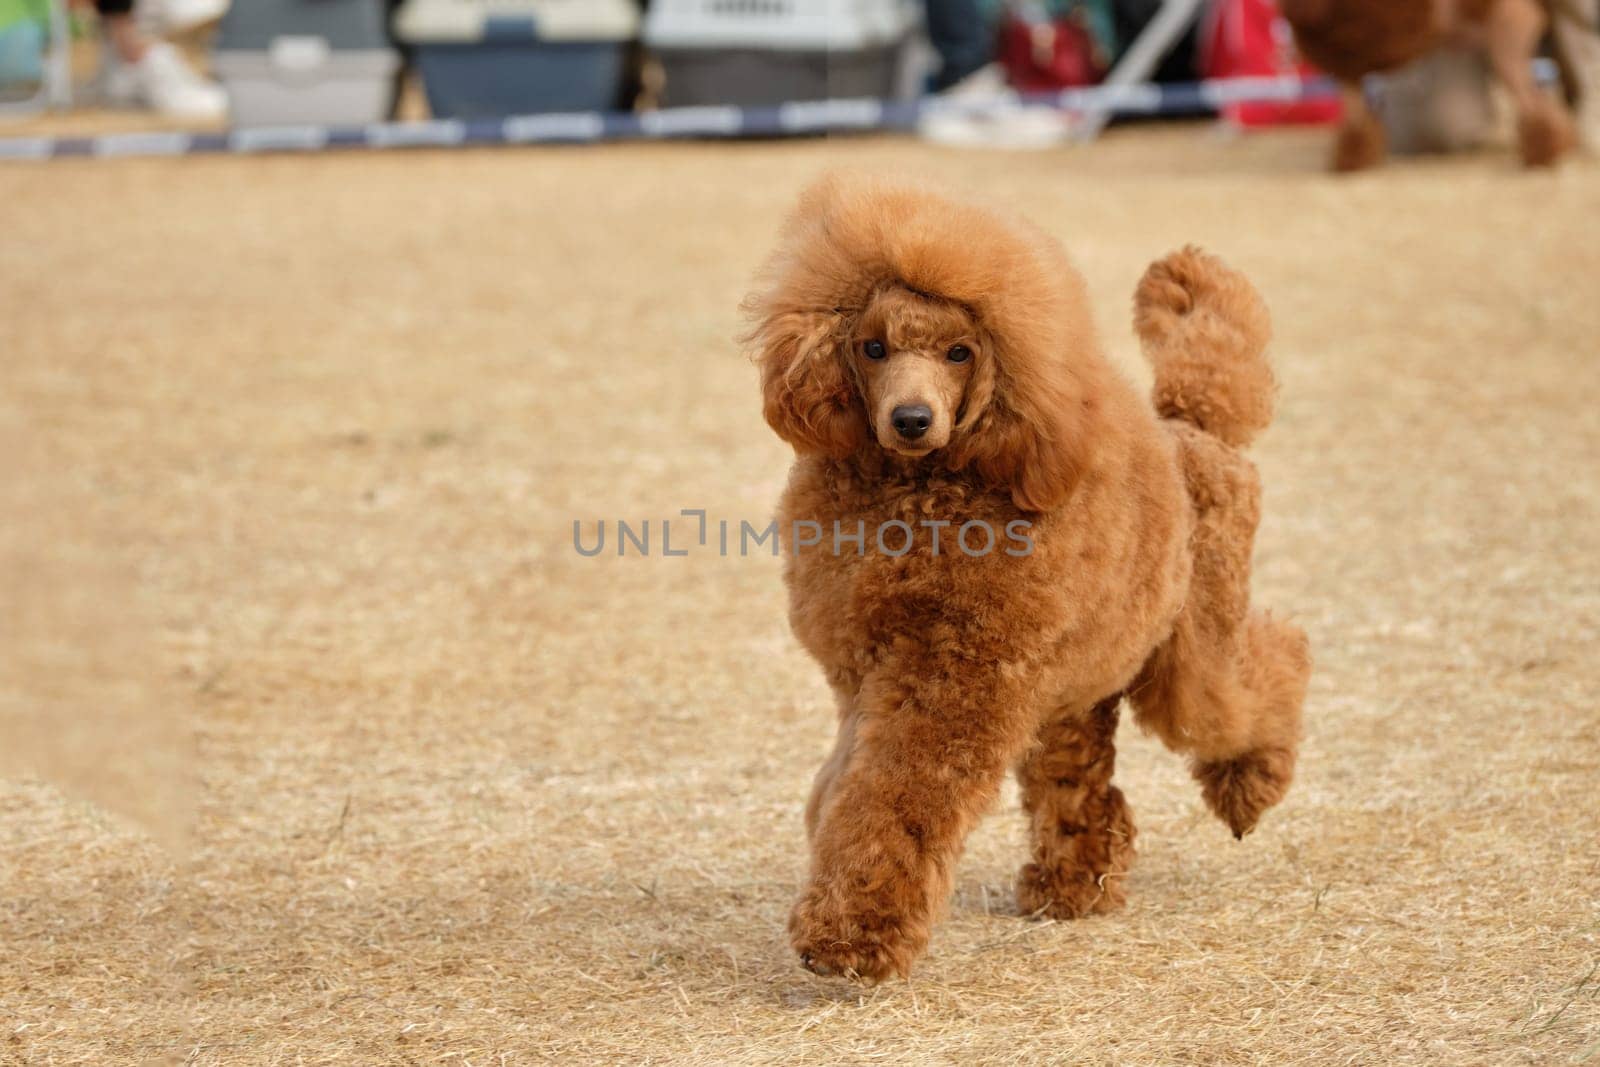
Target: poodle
[1353, 38]
[936, 371]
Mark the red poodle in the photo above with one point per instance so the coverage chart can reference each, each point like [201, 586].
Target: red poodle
[992, 539]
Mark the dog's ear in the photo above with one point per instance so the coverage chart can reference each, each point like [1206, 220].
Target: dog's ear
[1029, 428]
[809, 396]
[801, 318]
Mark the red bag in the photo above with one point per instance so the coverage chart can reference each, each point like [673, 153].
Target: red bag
[1249, 38]
[1043, 54]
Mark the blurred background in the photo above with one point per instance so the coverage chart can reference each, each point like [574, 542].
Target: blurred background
[320, 743]
[207, 64]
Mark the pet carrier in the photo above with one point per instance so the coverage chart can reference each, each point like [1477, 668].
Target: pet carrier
[488, 58]
[35, 64]
[764, 52]
[289, 62]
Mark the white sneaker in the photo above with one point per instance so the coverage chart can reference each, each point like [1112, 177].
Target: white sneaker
[987, 81]
[164, 82]
[982, 111]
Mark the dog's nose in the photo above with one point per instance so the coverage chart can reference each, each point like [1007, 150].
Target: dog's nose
[911, 421]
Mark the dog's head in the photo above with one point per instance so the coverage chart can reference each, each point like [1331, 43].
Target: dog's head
[892, 318]
[913, 358]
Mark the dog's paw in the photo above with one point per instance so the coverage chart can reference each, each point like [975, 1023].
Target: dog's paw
[1276, 667]
[1050, 894]
[859, 942]
[1239, 791]
[1545, 135]
[1082, 872]
[1191, 297]
[1360, 144]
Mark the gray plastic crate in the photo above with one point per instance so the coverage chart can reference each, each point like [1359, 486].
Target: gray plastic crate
[295, 62]
[748, 77]
[490, 58]
[755, 53]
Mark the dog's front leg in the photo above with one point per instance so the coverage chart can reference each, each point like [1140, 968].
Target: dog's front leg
[844, 746]
[1361, 142]
[929, 753]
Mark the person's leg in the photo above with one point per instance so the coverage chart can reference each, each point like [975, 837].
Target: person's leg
[122, 33]
[961, 37]
[152, 73]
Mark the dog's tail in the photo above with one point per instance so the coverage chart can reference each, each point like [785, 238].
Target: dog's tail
[1205, 331]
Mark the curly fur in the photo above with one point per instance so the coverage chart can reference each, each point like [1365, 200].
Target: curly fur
[952, 669]
[1207, 347]
[1353, 38]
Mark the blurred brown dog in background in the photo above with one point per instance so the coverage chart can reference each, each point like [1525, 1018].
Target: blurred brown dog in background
[1353, 38]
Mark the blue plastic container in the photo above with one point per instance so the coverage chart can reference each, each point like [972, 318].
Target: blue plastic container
[21, 56]
[488, 80]
[490, 58]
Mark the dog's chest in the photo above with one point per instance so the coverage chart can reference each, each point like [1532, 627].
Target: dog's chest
[959, 573]
[912, 564]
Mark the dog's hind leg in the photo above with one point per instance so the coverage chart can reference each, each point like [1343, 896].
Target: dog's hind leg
[1232, 706]
[1576, 32]
[1273, 667]
[1544, 126]
[1081, 826]
[1227, 686]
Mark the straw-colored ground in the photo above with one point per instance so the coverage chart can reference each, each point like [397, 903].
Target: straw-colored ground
[292, 450]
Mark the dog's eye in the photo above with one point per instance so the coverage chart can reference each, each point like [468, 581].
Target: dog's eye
[959, 354]
[875, 350]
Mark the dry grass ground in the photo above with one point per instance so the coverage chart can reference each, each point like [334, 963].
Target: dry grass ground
[292, 448]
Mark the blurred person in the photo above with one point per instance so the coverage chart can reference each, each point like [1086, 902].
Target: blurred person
[972, 79]
[181, 16]
[144, 71]
[962, 36]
